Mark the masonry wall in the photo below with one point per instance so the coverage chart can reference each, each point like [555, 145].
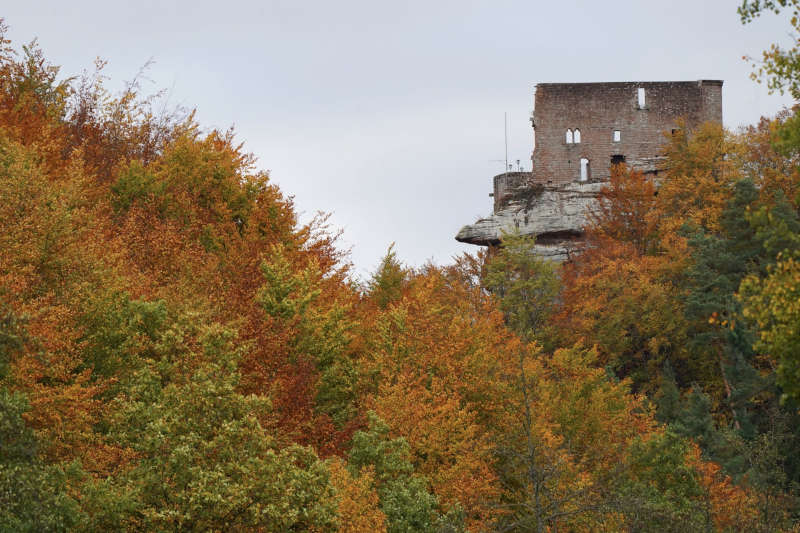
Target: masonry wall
[505, 183]
[597, 109]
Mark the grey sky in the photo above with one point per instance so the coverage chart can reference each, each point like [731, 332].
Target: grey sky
[388, 114]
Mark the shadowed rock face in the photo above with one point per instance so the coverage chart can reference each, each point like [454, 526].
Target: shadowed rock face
[555, 215]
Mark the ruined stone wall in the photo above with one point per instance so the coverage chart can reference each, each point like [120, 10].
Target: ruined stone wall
[598, 109]
[505, 184]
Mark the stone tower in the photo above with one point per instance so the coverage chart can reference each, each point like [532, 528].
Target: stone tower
[580, 130]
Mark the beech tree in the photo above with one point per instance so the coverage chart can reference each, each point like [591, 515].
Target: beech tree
[178, 351]
[34, 496]
[525, 285]
[204, 459]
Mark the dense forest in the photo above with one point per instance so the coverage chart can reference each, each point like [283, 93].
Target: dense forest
[179, 353]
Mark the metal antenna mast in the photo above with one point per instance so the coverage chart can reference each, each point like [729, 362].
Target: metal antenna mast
[505, 134]
[505, 137]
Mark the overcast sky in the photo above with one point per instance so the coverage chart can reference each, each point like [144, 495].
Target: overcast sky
[389, 115]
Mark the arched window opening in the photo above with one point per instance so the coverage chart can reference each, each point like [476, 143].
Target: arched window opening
[577, 136]
[569, 136]
[640, 97]
[584, 169]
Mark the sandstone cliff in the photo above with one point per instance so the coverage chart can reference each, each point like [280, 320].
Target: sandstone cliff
[556, 215]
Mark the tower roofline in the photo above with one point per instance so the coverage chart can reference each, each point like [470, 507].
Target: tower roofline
[624, 83]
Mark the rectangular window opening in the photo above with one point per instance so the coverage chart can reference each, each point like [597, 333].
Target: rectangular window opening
[640, 97]
[617, 159]
[617, 136]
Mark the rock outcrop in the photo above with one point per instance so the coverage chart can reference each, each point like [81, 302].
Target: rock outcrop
[556, 215]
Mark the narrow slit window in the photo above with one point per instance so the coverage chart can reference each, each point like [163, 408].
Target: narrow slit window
[640, 97]
[584, 169]
[577, 136]
[569, 136]
[617, 136]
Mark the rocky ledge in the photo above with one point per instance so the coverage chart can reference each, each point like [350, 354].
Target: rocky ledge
[556, 215]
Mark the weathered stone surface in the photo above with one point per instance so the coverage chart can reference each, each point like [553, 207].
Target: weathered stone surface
[556, 215]
[559, 252]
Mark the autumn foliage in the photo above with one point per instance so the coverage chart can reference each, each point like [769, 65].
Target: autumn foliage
[179, 352]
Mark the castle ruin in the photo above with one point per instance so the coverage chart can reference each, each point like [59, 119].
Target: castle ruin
[580, 131]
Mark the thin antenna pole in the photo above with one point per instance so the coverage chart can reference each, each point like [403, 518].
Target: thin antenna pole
[505, 134]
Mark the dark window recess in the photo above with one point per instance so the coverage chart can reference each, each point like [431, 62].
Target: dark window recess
[617, 159]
